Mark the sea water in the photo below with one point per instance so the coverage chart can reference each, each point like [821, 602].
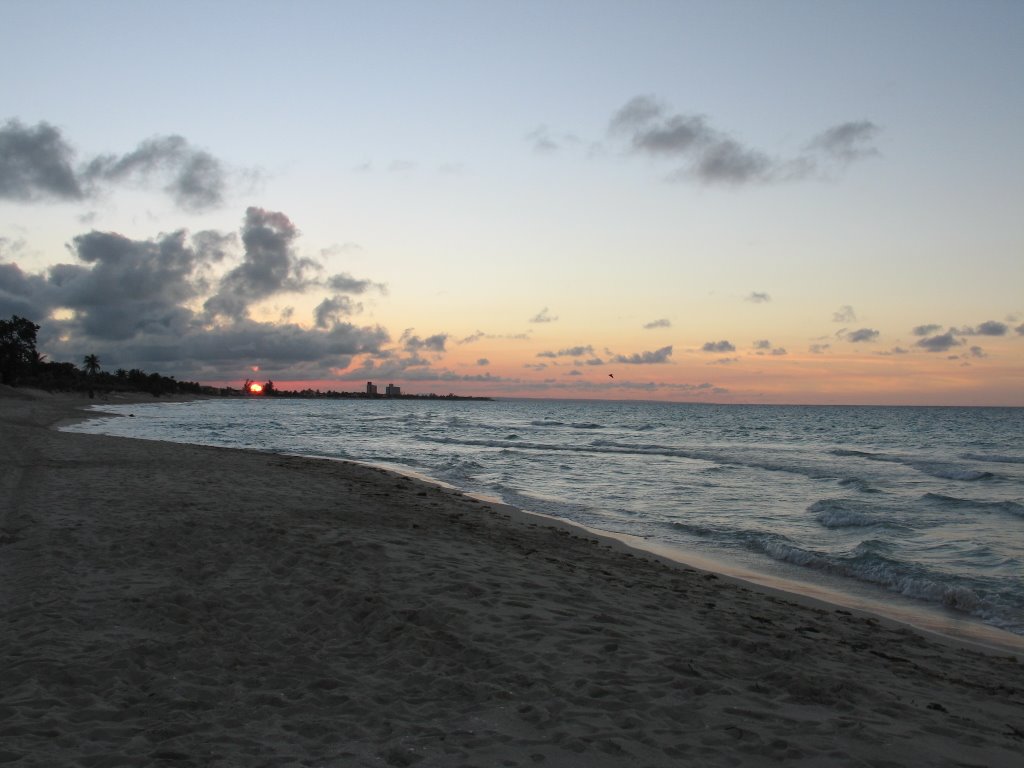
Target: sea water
[901, 505]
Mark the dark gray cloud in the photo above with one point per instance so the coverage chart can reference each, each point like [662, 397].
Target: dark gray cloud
[659, 323]
[861, 335]
[978, 352]
[413, 343]
[847, 142]
[819, 349]
[713, 156]
[36, 163]
[758, 297]
[345, 283]
[988, 328]
[844, 314]
[940, 343]
[578, 351]
[332, 309]
[483, 361]
[270, 265]
[764, 347]
[1020, 329]
[645, 358]
[196, 180]
[544, 316]
[132, 303]
[925, 330]
[718, 346]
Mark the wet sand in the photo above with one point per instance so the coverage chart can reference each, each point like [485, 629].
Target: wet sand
[165, 604]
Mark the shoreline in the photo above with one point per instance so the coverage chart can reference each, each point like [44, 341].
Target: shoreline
[941, 623]
[169, 603]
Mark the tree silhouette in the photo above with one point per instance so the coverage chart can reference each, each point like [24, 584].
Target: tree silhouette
[91, 364]
[17, 348]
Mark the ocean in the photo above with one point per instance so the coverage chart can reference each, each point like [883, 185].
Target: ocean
[916, 512]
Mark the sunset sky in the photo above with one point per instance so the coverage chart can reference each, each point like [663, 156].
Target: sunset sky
[779, 202]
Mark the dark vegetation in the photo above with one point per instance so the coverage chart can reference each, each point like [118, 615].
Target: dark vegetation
[21, 365]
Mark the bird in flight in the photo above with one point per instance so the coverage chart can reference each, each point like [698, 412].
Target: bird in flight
[611, 375]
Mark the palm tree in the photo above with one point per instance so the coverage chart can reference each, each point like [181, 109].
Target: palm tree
[91, 364]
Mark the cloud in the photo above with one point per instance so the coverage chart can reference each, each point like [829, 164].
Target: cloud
[331, 310]
[1020, 329]
[764, 347]
[476, 336]
[543, 316]
[270, 265]
[345, 283]
[37, 163]
[940, 343]
[758, 297]
[819, 349]
[862, 334]
[542, 141]
[411, 343]
[847, 142]
[133, 302]
[578, 351]
[988, 328]
[978, 352]
[713, 156]
[925, 330]
[718, 346]
[660, 323]
[483, 361]
[894, 351]
[645, 358]
[196, 179]
[844, 314]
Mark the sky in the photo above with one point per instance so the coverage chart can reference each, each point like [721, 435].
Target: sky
[736, 202]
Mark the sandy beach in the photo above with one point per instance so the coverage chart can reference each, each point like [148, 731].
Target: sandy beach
[165, 604]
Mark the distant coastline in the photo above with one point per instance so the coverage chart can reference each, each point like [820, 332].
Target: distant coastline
[316, 394]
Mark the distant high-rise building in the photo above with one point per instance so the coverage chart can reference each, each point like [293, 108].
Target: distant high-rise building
[392, 391]
[371, 388]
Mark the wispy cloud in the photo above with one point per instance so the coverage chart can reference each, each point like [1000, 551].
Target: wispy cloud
[578, 351]
[659, 323]
[713, 156]
[544, 316]
[861, 335]
[718, 346]
[37, 163]
[645, 358]
[758, 297]
[844, 314]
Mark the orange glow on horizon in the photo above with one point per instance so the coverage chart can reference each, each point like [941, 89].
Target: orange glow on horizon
[255, 389]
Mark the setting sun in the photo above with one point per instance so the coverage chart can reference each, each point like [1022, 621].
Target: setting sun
[255, 389]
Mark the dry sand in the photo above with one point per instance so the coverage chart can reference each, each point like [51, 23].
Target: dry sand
[166, 604]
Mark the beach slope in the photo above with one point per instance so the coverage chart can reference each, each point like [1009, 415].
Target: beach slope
[166, 604]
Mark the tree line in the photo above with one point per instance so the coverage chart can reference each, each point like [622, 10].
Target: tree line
[21, 365]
